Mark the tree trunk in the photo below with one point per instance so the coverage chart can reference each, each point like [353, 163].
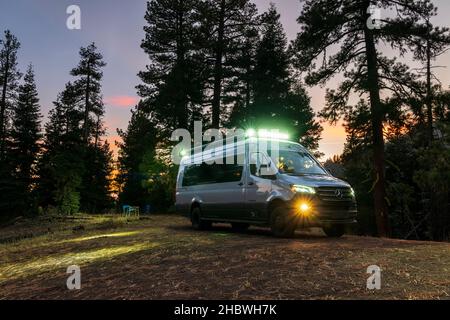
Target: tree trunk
[181, 98]
[97, 133]
[218, 69]
[248, 79]
[247, 94]
[87, 109]
[248, 75]
[429, 99]
[379, 192]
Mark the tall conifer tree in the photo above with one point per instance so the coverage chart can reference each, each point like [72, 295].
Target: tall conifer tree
[25, 140]
[349, 24]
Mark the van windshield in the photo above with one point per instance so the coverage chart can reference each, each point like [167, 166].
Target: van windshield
[297, 163]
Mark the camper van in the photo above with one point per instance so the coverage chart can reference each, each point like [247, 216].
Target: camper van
[263, 181]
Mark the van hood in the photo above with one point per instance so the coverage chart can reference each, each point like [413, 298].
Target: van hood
[314, 180]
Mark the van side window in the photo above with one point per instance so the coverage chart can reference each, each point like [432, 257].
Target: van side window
[197, 174]
[203, 174]
[228, 172]
[190, 176]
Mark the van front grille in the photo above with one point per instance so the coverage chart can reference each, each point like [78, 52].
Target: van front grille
[335, 194]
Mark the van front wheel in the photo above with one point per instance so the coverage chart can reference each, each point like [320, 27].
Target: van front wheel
[282, 222]
[197, 222]
[334, 231]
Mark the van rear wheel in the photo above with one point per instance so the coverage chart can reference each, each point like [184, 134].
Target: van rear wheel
[283, 222]
[197, 222]
[334, 231]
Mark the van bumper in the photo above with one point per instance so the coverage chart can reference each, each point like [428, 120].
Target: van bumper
[335, 216]
[325, 214]
[318, 220]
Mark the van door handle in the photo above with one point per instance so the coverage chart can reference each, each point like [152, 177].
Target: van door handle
[251, 183]
[241, 184]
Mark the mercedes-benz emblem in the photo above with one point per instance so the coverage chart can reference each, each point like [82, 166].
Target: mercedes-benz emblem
[338, 193]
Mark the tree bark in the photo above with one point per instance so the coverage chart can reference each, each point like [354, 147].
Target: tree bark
[379, 191]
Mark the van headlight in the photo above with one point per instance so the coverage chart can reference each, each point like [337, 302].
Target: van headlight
[352, 192]
[303, 189]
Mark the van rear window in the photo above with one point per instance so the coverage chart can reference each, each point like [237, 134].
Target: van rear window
[202, 174]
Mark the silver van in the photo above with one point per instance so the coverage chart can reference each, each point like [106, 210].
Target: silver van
[280, 185]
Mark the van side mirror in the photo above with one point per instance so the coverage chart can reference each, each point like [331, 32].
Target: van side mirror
[265, 172]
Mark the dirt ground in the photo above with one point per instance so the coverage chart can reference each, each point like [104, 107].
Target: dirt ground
[161, 257]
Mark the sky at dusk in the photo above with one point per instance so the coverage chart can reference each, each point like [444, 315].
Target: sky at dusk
[116, 27]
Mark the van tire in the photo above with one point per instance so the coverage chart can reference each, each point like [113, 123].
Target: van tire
[239, 227]
[282, 222]
[197, 222]
[334, 231]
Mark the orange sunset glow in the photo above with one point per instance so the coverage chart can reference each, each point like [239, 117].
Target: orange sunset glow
[121, 101]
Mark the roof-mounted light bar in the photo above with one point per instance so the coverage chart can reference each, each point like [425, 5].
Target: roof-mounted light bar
[269, 134]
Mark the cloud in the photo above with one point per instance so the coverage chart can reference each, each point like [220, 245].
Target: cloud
[122, 101]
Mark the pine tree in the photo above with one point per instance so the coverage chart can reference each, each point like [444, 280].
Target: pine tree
[172, 85]
[239, 90]
[442, 108]
[25, 137]
[272, 78]
[224, 26]
[172, 90]
[140, 139]
[62, 165]
[299, 118]
[430, 43]
[279, 101]
[9, 77]
[74, 175]
[95, 197]
[348, 23]
[90, 75]
[94, 186]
